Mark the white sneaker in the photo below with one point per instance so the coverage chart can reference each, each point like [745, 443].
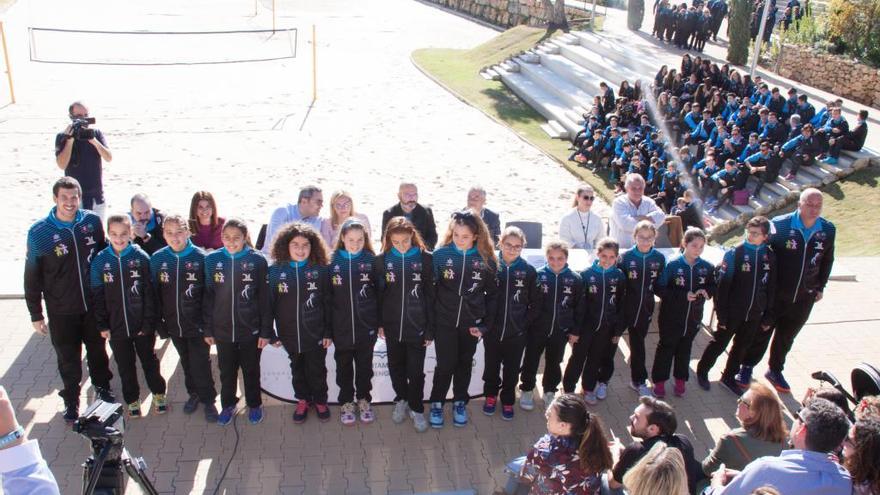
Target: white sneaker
[590, 398]
[548, 398]
[401, 409]
[527, 400]
[419, 421]
[347, 413]
[365, 411]
[642, 388]
[601, 390]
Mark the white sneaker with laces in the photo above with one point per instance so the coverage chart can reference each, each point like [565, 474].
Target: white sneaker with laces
[527, 400]
[548, 398]
[347, 413]
[401, 410]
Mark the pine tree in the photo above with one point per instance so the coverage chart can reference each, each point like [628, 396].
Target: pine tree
[738, 28]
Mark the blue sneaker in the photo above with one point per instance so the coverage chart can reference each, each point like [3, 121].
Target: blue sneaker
[830, 160]
[490, 405]
[255, 415]
[436, 418]
[507, 413]
[459, 413]
[778, 381]
[226, 415]
[744, 377]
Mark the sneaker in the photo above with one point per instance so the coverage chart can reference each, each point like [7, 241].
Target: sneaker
[71, 411]
[211, 414]
[679, 388]
[507, 413]
[731, 384]
[105, 394]
[527, 400]
[744, 377]
[778, 381]
[641, 388]
[459, 413]
[601, 391]
[789, 176]
[134, 410]
[346, 414]
[323, 412]
[436, 417]
[703, 381]
[366, 411]
[590, 398]
[401, 409]
[830, 160]
[226, 415]
[191, 404]
[255, 415]
[660, 390]
[301, 412]
[489, 406]
[160, 403]
[419, 421]
[548, 398]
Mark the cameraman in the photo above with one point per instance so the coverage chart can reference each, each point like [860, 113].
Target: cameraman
[79, 151]
[22, 466]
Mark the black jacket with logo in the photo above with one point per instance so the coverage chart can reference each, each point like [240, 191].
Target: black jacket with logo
[352, 302]
[237, 306]
[123, 293]
[179, 280]
[300, 304]
[405, 286]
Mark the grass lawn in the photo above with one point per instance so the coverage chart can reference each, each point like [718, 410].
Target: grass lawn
[459, 71]
[851, 204]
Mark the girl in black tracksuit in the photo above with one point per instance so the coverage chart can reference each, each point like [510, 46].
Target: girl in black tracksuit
[518, 308]
[405, 287]
[464, 272]
[300, 294]
[237, 316]
[355, 319]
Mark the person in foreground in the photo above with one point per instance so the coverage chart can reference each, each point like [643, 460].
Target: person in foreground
[807, 469]
[661, 470]
[22, 467]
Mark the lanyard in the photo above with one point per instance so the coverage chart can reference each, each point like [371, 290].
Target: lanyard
[586, 227]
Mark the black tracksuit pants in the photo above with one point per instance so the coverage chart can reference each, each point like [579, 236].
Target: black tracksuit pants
[637, 334]
[406, 366]
[195, 360]
[742, 332]
[553, 349]
[309, 374]
[354, 371]
[590, 361]
[126, 353]
[674, 350]
[790, 318]
[68, 334]
[502, 365]
[455, 354]
[232, 356]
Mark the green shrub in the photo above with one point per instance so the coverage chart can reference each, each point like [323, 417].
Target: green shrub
[738, 48]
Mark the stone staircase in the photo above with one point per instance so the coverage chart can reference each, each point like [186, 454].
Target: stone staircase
[560, 76]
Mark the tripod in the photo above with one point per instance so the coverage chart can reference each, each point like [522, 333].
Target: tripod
[107, 477]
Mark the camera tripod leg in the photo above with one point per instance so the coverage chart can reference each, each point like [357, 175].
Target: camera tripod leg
[135, 469]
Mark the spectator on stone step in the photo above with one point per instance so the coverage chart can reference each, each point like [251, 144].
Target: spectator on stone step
[689, 208]
[608, 100]
[824, 113]
[721, 186]
[805, 109]
[794, 126]
[764, 165]
[774, 131]
[802, 150]
[835, 126]
[853, 140]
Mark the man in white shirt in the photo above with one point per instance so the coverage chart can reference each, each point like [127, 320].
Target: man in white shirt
[631, 208]
[580, 227]
[306, 210]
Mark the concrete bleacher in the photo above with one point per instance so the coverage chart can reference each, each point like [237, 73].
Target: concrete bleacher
[560, 76]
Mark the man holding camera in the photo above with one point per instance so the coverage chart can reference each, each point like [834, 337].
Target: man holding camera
[79, 151]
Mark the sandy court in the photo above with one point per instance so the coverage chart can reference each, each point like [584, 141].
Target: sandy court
[234, 129]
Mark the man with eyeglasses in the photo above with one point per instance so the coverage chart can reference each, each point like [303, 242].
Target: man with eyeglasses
[631, 208]
[806, 469]
[421, 216]
[580, 227]
[80, 151]
[306, 210]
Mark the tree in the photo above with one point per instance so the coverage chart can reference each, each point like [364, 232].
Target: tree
[853, 24]
[738, 31]
[556, 14]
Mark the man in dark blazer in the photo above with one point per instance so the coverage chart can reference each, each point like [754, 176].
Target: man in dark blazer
[476, 201]
[422, 217]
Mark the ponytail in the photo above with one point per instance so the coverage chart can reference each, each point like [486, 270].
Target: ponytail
[587, 429]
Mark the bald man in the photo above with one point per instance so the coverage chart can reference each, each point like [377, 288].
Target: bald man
[804, 245]
[408, 206]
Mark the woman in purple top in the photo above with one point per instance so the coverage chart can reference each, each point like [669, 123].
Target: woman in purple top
[204, 222]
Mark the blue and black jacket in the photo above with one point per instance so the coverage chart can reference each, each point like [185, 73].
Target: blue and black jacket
[746, 284]
[57, 263]
[603, 299]
[642, 271]
[518, 302]
[804, 256]
[179, 281]
[405, 286]
[802, 145]
[300, 305]
[123, 293]
[237, 306]
[466, 288]
[677, 279]
[560, 302]
[353, 303]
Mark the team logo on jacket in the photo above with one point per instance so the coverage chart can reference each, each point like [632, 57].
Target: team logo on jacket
[594, 289]
[389, 277]
[311, 274]
[679, 281]
[545, 289]
[164, 278]
[746, 266]
[476, 276]
[417, 277]
[134, 274]
[219, 265]
[633, 274]
[365, 277]
[449, 262]
[819, 246]
[449, 274]
[336, 268]
[336, 279]
[61, 250]
[191, 276]
[519, 283]
[417, 266]
[363, 266]
[219, 277]
[108, 278]
[134, 263]
[566, 289]
[477, 265]
[311, 286]
[247, 277]
[191, 265]
[282, 287]
[164, 265]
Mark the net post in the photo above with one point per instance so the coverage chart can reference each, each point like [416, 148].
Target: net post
[314, 65]
[255, 7]
[6, 60]
[273, 16]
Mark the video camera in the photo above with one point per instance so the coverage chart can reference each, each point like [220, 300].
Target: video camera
[79, 129]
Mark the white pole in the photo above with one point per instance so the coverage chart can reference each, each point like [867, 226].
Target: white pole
[759, 41]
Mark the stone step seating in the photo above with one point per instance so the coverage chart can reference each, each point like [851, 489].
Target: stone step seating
[560, 76]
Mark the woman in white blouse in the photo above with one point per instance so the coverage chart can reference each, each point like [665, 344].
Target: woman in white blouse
[581, 228]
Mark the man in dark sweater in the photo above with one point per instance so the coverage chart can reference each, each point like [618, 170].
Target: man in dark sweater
[146, 224]
[422, 217]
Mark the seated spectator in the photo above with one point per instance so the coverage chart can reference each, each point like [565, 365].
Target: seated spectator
[668, 191]
[834, 126]
[805, 109]
[306, 210]
[690, 210]
[802, 150]
[341, 209]
[774, 131]
[580, 227]
[661, 470]
[764, 166]
[807, 469]
[408, 206]
[22, 467]
[476, 202]
[762, 431]
[861, 453]
[146, 224]
[721, 185]
[852, 140]
[204, 223]
[794, 127]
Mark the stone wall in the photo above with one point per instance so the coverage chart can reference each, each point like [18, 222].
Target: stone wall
[503, 13]
[837, 75]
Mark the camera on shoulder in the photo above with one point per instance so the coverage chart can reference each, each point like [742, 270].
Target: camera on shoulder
[79, 129]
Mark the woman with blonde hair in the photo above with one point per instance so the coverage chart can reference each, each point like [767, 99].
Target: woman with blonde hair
[661, 470]
[341, 209]
[580, 227]
[762, 431]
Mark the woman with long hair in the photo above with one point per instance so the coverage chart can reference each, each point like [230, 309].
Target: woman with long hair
[204, 222]
[341, 209]
[861, 453]
[660, 471]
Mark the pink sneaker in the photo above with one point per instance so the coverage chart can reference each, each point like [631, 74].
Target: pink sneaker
[679, 387]
[660, 390]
